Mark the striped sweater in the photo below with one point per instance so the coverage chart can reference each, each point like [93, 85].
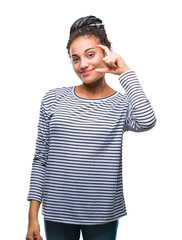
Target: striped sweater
[77, 167]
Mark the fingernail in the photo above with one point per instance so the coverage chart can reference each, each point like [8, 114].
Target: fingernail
[109, 69]
[114, 69]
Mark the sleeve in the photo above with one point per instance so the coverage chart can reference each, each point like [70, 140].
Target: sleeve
[140, 115]
[40, 157]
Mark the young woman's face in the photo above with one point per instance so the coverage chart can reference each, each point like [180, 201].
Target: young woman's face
[86, 57]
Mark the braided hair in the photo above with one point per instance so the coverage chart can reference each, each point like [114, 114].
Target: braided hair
[88, 26]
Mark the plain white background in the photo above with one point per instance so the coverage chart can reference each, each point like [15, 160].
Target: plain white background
[33, 59]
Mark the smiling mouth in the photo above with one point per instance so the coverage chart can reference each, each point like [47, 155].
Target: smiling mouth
[86, 72]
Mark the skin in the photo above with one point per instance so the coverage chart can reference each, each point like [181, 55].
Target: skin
[33, 231]
[86, 55]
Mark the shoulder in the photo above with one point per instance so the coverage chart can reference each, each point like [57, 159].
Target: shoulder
[50, 97]
[55, 92]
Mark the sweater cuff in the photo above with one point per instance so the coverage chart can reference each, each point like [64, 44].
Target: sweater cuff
[125, 72]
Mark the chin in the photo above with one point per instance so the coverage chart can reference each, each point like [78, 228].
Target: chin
[89, 79]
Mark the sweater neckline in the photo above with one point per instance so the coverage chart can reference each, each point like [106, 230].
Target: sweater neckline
[92, 99]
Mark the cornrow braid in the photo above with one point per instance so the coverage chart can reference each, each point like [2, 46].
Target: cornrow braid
[88, 26]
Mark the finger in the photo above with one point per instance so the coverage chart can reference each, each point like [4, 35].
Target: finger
[103, 70]
[113, 66]
[30, 237]
[113, 62]
[110, 61]
[110, 64]
[37, 236]
[41, 238]
[105, 48]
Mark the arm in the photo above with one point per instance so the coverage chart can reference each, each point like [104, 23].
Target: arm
[33, 210]
[40, 157]
[38, 173]
[33, 225]
[140, 115]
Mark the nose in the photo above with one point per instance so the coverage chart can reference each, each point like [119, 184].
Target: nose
[83, 64]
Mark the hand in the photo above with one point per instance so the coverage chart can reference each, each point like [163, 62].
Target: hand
[33, 231]
[113, 62]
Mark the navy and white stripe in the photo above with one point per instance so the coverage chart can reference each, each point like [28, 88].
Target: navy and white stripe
[77, 166]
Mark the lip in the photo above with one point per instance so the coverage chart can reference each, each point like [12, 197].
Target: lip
[86, 72]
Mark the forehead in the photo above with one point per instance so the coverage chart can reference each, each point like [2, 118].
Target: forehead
[80, 44]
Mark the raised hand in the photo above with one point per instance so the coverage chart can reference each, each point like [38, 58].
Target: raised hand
[113, 62]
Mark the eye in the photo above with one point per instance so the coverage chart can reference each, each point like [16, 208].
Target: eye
[91, 55]
[74, 60]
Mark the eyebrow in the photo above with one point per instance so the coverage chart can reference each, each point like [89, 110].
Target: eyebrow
[84, 51]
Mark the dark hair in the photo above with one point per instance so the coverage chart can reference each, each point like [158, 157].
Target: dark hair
[88, 26]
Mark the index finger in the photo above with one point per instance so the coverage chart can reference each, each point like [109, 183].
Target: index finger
[105, 48]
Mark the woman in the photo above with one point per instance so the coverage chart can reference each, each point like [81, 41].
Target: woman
[77, 167]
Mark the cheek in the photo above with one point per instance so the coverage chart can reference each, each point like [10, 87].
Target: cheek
[75, 67]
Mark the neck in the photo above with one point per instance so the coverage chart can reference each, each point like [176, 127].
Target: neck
[94, 89]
